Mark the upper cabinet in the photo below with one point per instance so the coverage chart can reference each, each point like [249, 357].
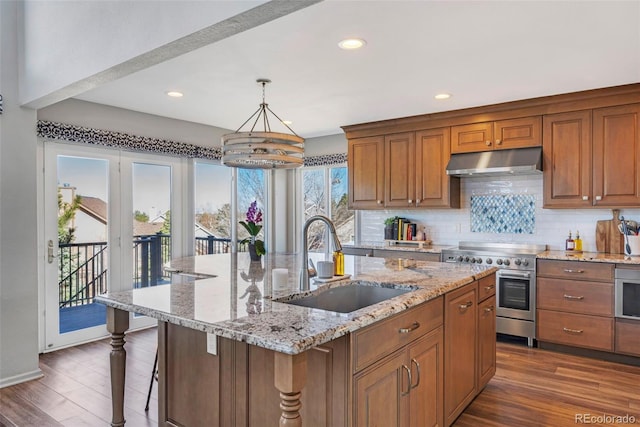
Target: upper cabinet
[365, 164]
[592, 158]
[498, 135]
[402, 170]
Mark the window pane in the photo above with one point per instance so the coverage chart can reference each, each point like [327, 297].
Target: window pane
[250, 189]
[314, 201]
[342, 217]
[151, 193]
[212, 208]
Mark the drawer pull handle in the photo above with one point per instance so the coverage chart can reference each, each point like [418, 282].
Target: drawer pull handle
[568, 270]
[488, 288]
[465, 306]
[573, 297]
[411, 328]
[415, 362]
[572, 331]
[404, 393]
[488, 309]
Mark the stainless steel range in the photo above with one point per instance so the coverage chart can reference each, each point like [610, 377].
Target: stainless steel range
[515, 281]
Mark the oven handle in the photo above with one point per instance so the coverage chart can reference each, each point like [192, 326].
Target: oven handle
[514, 275]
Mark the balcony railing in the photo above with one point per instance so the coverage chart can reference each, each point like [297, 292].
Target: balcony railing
[82, 272]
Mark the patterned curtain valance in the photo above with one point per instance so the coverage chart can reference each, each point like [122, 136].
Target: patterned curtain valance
[124, 141]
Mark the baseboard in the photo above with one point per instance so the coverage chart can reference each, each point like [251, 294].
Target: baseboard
[17, 379]
[594, 354]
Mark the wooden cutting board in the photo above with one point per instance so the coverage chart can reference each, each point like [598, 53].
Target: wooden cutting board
[608, 237]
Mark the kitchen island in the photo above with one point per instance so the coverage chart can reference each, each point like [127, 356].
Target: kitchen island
[231, 352]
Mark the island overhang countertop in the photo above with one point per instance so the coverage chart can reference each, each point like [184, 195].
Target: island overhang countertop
[231, 297]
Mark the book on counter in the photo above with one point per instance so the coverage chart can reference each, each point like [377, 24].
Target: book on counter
[404, 229]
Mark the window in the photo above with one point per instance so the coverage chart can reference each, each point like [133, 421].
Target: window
[212, 208]
[325, 193]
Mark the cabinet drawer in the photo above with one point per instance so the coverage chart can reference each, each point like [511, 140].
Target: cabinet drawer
[575, 329]
[486, 287]
[575, 297]
[576, 270]
[382, 338]
[628, 337]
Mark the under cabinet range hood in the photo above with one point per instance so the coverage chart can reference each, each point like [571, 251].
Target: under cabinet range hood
[518, 161]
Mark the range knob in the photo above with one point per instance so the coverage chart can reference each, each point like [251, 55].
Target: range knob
[507, 262]
[525, 262]
[499, 261]
[479, 260]
[459, 258]
[489, 261]
[472, 260]
[517, 261]
[466, 259]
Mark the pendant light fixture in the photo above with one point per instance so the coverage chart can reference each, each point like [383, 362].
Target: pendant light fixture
[262, 149]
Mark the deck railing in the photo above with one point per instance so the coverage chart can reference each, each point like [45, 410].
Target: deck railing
[82, 272]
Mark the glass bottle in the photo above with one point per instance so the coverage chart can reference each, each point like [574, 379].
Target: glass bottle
[578, 242]
[338, 263]
[570, 244]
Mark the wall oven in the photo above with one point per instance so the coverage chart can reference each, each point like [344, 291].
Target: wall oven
[627, 293]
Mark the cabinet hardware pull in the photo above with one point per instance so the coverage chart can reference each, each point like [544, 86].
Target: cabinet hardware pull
[488, 288]
[498, 141]
[572, 331]
[413, 327]
[409, 383]
[585, 198]
[465, 306]
[379, 202]
[488, 143]
[410, 201]
[415, 362]
[488, 309]
[418, 201]
[568, 270]
[573, 297]
[598, 198]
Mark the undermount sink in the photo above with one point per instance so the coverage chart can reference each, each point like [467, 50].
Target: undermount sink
[347, 298]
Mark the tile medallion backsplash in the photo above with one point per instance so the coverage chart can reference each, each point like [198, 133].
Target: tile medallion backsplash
[503, 213]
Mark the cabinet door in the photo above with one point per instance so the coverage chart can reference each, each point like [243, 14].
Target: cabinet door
[472, 137]
[366, 173]
[434, 188]
[425, 358]
[399, 171]
[616, 156]
[566, 152]
[380, 394]
[461, 317]
[518, 133]
[486, 341]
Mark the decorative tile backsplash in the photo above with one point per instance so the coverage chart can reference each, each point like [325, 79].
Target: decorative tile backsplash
[503, 213]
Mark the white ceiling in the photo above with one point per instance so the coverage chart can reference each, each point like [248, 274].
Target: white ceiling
[482, 52]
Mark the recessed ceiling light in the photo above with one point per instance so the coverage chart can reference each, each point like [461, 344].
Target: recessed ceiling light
[350, 44]
[175, 94]
[443, 96]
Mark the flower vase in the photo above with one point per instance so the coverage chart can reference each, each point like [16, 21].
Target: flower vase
[252, 252]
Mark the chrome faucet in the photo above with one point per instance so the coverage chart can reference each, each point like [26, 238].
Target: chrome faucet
[307, 272]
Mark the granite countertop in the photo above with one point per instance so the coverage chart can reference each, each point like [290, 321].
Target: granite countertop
[238, 303]
[590, 257]
[406, 247]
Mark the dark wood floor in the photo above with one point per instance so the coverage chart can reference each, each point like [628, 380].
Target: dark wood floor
[532, 387]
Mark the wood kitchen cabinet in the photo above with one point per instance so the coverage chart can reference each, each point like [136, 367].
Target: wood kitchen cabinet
[575, 304]
[498, 135]
[365, 161]
[486, 330]
[461, 355]
[402, 170]
[590, 158]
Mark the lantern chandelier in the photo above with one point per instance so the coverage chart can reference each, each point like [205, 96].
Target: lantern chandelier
[262, 149]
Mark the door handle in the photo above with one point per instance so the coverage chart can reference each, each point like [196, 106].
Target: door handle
[415, 362]
[404, 367]
[50, 255]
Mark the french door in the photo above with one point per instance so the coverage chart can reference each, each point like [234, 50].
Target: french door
[111, 220]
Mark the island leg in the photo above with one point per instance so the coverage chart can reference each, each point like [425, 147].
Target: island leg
[117, 324]
[290, 377]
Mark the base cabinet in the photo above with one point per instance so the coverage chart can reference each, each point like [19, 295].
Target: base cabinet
[627, 337]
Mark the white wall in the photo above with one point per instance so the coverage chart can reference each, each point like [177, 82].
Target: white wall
[18, 240]
[449, 226]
